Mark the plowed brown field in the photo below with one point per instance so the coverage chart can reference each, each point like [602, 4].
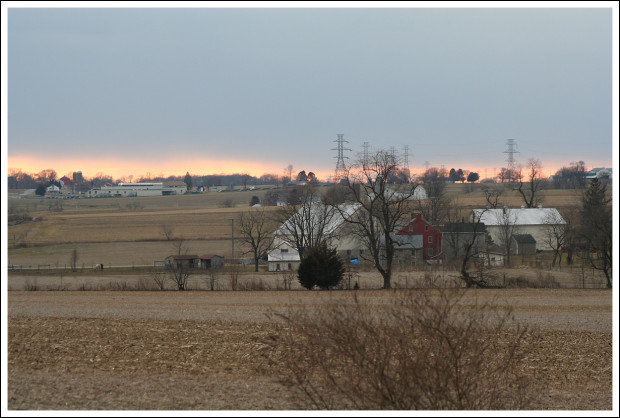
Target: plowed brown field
[98, 350]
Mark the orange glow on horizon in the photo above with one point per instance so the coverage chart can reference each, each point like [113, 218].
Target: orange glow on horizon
[117, 169]
[125, 168]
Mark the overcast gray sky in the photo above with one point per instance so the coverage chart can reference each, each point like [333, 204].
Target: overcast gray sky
[198, 89]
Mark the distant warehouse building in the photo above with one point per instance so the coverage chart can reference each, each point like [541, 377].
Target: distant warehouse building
[139, 189]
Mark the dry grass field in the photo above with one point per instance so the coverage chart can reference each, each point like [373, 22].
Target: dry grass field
[132, 231]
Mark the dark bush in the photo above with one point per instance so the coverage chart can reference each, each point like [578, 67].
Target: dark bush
[321, 268]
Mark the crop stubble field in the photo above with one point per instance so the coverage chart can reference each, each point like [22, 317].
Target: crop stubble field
[208, 350]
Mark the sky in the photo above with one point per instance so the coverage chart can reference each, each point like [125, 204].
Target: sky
[130, 91]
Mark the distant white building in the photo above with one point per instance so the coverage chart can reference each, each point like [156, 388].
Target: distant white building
[139, 189]
[532, 221]
[52, 189]
[419, 193]
[319, 220]
[601, 172]
[283, 258]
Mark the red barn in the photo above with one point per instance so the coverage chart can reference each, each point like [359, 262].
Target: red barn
[431, 237]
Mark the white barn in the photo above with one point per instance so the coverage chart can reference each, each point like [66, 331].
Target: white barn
[532, 221]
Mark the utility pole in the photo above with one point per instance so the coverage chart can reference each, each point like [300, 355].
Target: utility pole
[232, 233]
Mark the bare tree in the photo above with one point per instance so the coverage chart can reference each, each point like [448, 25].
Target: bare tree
[507, 222]
[380, 207]
[287, 278]
[245, 179]
[211, 278]
[493, 195]
[160, 277]
[289, 172]
[73, 259]
[427, 350]
[167, 231]
[180, 275]
[571, 177]
[435, 207]
[180, 272]
[304, 220]
[451, 237]
[256, 231]
[555, 235]
[532, 184]
[470, 247]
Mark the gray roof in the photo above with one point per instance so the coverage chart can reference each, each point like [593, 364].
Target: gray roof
[522, 216]
[278, 256]
[524, 239]
[317, 213]
[464, 227]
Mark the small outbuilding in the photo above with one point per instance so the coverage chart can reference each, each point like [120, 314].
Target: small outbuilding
[524, 244]
[211, 261]
[183, 261]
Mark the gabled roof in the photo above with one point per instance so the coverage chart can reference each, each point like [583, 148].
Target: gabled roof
[522, 216]
[402, 242]
[419, 193]
[524, 239]
[317, 219]
[464, 227]
[209, 256]
[279, 256]
[183, 257]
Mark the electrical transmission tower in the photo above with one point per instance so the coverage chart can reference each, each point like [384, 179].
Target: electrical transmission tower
[511, 144]
[406, 157]
[340, 167]
[393, 155]
[365, 155]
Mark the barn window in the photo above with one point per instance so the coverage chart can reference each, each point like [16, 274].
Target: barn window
[278, 267]
[290, 267]
[284, 250]
[430, 252]
[410, 228]
[430, 239]
[426, 227]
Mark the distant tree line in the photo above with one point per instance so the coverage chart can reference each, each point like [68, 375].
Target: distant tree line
[18, 179]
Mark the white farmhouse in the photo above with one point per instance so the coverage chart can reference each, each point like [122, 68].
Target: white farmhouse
[313, 221]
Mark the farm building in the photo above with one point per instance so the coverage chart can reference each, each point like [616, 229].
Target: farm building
[206, 261]
[183, 261]
[138, 189]
[492, 258]
[431, 236]
[456, 236]
[283, 259]
[211, 261]
[408, 249]
[313, 221]
[524, 244]
[533, 221]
